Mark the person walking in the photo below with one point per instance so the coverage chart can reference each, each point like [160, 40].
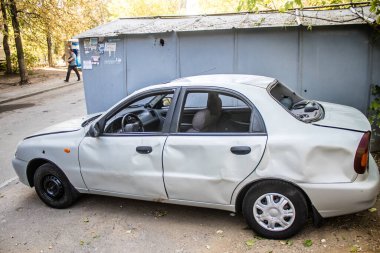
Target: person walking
[72, 65]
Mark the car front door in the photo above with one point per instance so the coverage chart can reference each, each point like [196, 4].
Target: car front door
[205, 162]
[126, 158]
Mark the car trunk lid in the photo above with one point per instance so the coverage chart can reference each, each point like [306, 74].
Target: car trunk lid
[343, 117]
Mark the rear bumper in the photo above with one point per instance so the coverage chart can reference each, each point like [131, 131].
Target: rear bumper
[345, 198]
[20, 168]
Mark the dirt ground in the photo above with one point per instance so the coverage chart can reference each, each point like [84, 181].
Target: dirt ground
[37, 76]
[109, 224]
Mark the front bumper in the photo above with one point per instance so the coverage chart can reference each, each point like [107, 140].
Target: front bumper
[20, 168]
[345, 198]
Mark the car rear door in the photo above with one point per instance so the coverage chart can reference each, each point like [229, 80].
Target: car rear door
[207, 166]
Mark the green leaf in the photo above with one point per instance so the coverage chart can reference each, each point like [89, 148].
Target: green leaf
[289, 242]
[355, 248]
[373, 209]
[250, 243]
[308, 243]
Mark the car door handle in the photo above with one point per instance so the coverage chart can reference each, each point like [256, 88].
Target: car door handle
[241, 150]
[144, 149]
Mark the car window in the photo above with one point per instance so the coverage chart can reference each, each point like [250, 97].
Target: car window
[218, 112]
[199, 100]
[143, 114]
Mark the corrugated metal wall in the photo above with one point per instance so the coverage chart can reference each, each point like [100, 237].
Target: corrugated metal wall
[334, 64]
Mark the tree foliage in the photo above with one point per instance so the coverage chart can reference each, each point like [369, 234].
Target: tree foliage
[46, 25]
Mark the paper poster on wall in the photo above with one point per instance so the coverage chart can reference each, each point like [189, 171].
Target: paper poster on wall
[87, 65]
[86, 45]
[110, 47]
[95, 59]
[113, 61]
[101, 48]
[93, 43]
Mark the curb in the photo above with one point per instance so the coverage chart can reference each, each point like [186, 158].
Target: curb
[36, 93]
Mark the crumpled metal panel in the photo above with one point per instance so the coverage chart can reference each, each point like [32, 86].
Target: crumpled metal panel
[203, 168]
[151, 25]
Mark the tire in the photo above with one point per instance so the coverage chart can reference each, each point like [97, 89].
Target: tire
[275, 209]
[53, 187]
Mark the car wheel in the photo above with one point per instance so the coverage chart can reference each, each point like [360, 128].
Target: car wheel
[53, 187]
[275, 209]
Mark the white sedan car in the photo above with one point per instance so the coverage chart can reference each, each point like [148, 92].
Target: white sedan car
[239, 143]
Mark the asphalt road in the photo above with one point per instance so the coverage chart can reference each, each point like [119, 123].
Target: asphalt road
[24, 117]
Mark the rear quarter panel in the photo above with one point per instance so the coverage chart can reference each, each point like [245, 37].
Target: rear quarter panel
[300, 152]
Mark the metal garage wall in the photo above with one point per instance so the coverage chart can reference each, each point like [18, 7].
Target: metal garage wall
[375, 61]
[272, 53]
[335, 65]
[104, 83]
[148, 61]
[202, 53]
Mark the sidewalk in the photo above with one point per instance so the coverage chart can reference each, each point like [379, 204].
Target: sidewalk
[29, 90]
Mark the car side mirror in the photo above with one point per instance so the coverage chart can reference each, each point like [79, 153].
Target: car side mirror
[94, 130]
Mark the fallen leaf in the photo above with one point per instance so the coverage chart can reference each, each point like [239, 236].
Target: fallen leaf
[95, 236]
[250, 243]
[354, 249]
[289, 242]
[86, 220]
[373, 209]
[308, 243]
[160, 213]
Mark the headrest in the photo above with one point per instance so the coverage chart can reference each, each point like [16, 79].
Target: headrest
[214, 103]
[201, 119]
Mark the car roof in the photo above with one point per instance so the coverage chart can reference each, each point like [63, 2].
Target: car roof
[218, 79]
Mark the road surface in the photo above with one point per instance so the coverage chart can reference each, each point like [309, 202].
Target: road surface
[24, 117]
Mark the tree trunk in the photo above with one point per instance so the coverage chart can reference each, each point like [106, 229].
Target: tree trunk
[18, 42]
[7, 50]
[50, 49]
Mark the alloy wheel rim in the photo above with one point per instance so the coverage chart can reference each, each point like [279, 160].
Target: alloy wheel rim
[52, 186]
[274, 212]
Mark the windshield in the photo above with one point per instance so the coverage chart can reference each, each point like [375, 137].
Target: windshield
[303, 109]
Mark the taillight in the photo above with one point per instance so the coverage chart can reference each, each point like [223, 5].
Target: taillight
[362, 153]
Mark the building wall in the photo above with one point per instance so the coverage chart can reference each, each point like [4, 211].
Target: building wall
[334, 64]
[105, 83]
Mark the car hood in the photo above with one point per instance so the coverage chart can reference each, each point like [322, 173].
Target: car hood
[64, 127]
[345, 117]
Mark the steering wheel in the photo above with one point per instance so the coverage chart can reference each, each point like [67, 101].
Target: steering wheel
[131, 123]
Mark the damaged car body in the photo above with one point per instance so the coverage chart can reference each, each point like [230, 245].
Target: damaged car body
[239, 143]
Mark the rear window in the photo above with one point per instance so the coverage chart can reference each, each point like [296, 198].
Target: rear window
[302, 109]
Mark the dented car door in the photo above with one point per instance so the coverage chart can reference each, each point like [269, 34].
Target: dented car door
[205, 163]
[209, 168]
